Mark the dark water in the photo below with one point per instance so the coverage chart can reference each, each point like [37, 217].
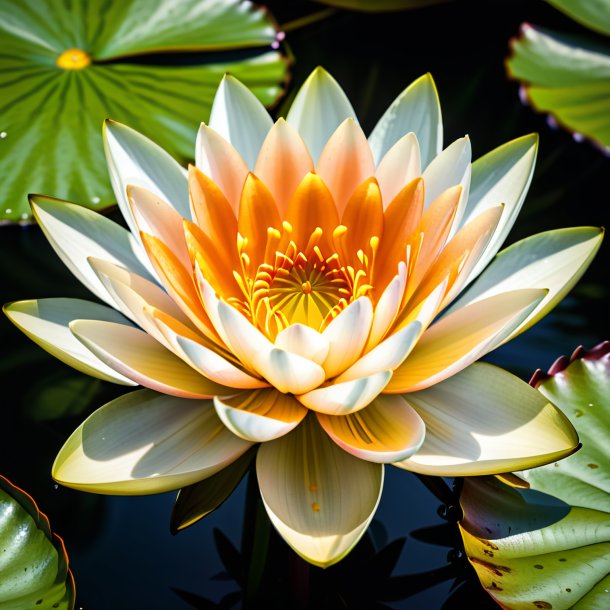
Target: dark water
[121, 551]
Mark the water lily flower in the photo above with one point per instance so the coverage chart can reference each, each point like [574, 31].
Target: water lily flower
[313, 291]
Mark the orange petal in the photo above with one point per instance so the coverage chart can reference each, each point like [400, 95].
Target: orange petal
[363, 217]
[178, 281]
[283, 162]
[346, 162]
[312, 206]
[432, 234]
[257, 212]
[459, 255]
[401, 218]
[216, 268]
[219, 160]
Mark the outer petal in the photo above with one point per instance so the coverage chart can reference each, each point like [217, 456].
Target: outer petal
[459, 339]
[501, 176]
[46, 321]
[346, 397]
[554, 260]
[318, 109]
[388, 430]
[416, 109]
[487, 421]
[134, 159]
[240, 118]
[142, 359]
[216, 158]
[144, 443]
[77, 233]
[260, 416]
[320, 498]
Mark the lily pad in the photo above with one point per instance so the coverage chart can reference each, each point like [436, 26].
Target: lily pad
[33, 561]
[549, 546]
[594, 14]
[567, 77]
[67, 66]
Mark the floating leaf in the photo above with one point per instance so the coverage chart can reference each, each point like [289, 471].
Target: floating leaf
[549, 546]
[66, 66]
[33, 561]
[566, 77]
[594, 14]
[374, 6]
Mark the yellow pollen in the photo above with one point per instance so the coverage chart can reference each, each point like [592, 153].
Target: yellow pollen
[315, 507]
[307, 287]
[73, 59]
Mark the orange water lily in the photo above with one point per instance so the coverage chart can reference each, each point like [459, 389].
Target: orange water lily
[297, 288]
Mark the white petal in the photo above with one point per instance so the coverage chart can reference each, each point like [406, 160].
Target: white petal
[501, 176]
[77, 234]
[46, 321]
[318, 109]
[398, 167]
[304, 341]
[386, 356]
[341, 398]
[284, 370]
[143, 359]
[319, 498]
[238, 116]
[144, 443]
[260, 416]
[347, 335]
[388, 430]
[451, 168]
[487, 421]
[416, 109]
[388, 305]
[134, 159]
[554, 260]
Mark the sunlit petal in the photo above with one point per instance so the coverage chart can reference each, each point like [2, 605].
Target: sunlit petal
[319, 497]
[144, 443]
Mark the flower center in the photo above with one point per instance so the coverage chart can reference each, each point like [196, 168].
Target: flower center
[73, 59]
[297, 285]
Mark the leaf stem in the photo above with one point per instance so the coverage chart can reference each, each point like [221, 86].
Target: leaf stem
[302, 22]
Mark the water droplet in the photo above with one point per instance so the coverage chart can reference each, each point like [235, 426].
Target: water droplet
[578, 137]
[8, 211]
[55, 486]
[24, 216]
[275, 44]
[95, 199]
[3, 134]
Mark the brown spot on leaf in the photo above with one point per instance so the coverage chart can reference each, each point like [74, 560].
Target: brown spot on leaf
[578, 413]
[543, 605]
[488, 552]
[490, 544]
[492, 567]
[494, 586]
[562, 559]
[593, 466]
[538, 566]
[569, 590]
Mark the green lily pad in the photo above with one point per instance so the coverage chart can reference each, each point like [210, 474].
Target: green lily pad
[378, 6]
[568, 78]
[33, 561]
[594, 14]
[549, 546]
[51, 116]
